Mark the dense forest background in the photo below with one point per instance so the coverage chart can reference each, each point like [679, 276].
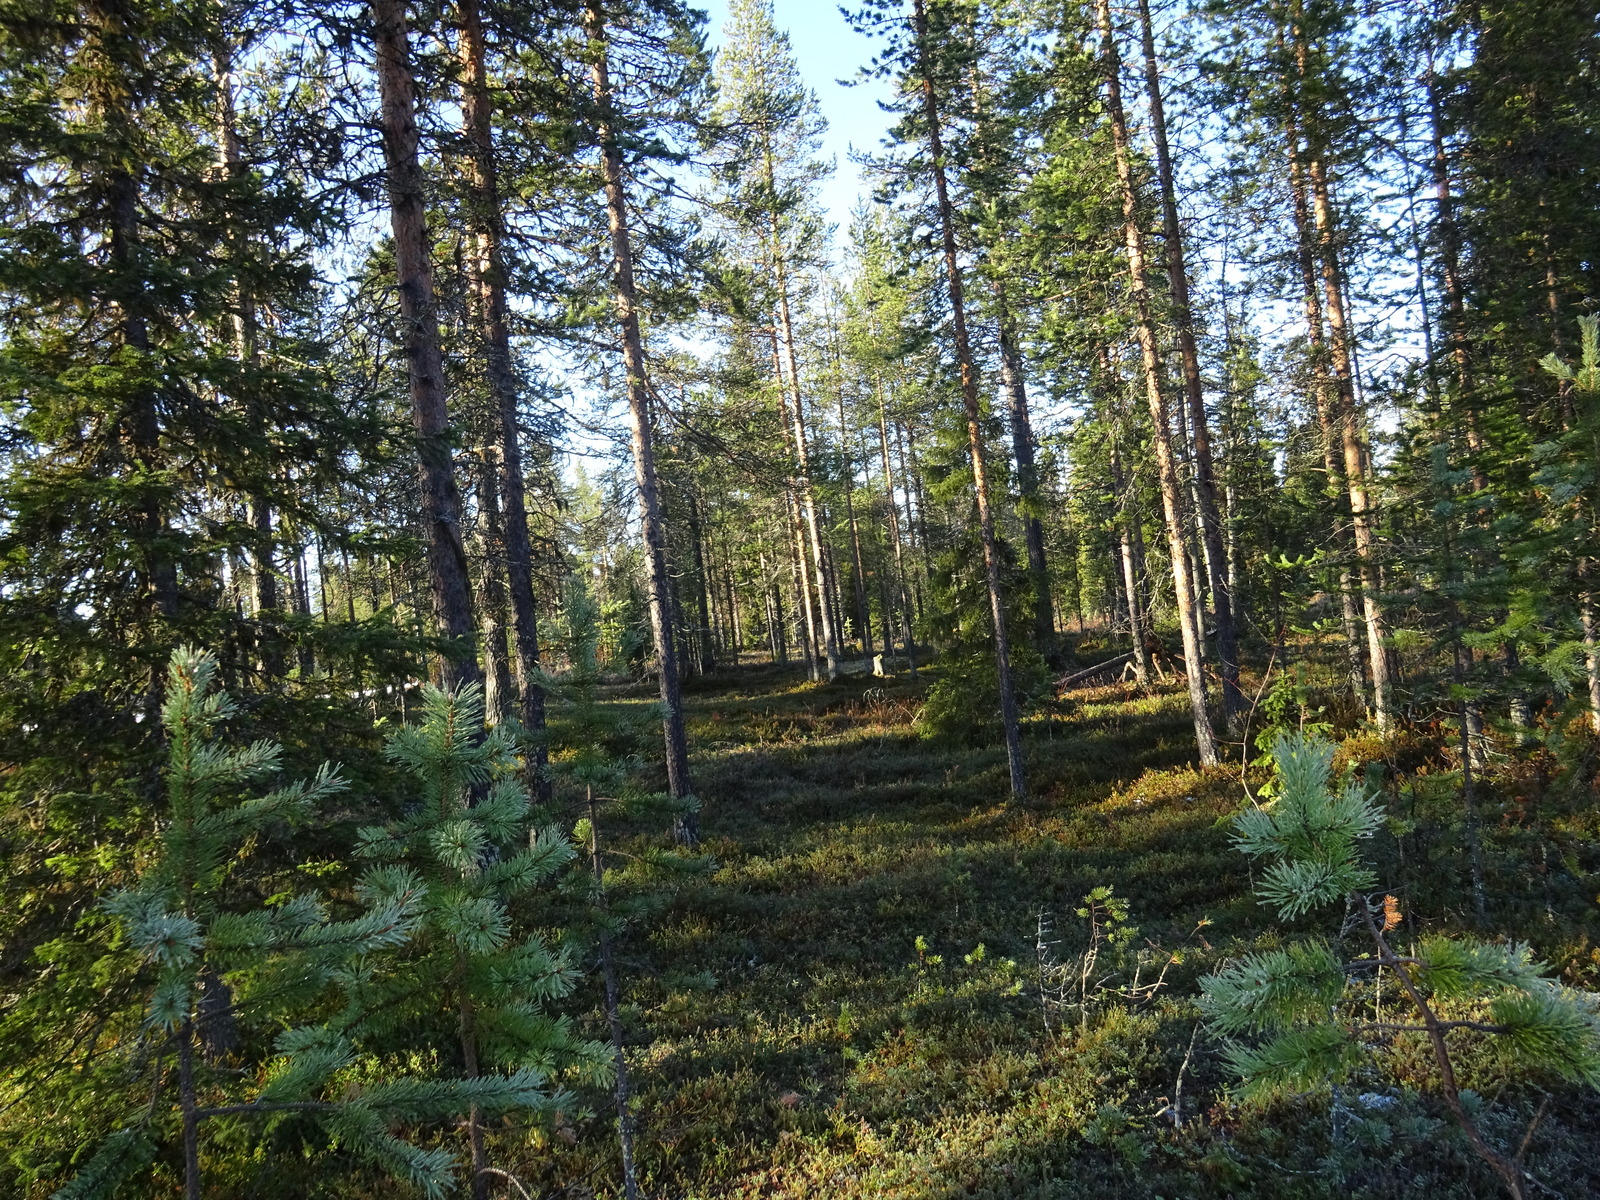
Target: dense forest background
[479, 397]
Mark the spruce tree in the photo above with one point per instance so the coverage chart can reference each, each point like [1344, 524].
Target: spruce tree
[477, 975]
[1307, 1009]
[222, 976]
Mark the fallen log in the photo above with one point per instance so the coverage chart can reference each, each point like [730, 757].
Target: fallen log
[1077, 677]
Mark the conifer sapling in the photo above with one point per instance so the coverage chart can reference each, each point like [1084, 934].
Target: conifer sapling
[1307, 1021]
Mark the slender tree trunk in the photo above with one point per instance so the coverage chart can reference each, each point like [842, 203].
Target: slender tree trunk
[644, 464]
[969, 396]
[497, 691]
[1182, 316]
[263, 569]
[730, 601]
[859, 579]
[708, 655]
[1449, 245]
[772, 585]
[804, 601]
[1013, 386]
[189, 1107]
[621, 1088]
[894, 534]
[1324, 395]
[770, 613]
[835, 597]
[301, 599]
[440, 501]
[1340, 347]
[161, 573]
[487, 277]
[807, 496]
[1591, 644]
[1355, 464]
[1013, 382]
[1130, 537]
[1161, 431]
[805, 614]
[916, 513]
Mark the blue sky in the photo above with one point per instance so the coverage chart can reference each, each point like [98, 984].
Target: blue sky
[827, 50]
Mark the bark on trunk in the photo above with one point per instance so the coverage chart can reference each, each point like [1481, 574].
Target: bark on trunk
[1182, 315]
[894, 534]
[1324, 398]
[440, 500]
[805, 618]
[644, 464]
[1161, 432]
[708, 654]
[497, 693]
[144, 426]
[859, 578]
[1450, 270]
[807, 495]
[1349, 419]
[1130, 538]
[969, 397]
[263, 569]
[1013, 382]
[487, 277]
[1591, 646]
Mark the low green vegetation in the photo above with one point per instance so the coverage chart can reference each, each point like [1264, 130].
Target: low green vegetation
[877, 977]
[850, 1005]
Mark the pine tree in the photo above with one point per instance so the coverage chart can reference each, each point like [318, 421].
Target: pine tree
[928, 62]
[770, 174]
[440, 495]
[671, 71]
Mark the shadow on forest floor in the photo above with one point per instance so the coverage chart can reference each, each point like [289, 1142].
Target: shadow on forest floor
[849, 1007]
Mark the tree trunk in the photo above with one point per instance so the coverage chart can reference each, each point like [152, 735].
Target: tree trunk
[161, 573]
[1013, 382]
[708, 653]
[621, 1088]
[1591, 645]
[467, 1041]
[1131, 538]
[894, 533]
[859, 580]
[1161, 432]
[487, 277]
[262, 566]
[1449, 238]
[1339, 344]
[1355, 465]
[969, 397]
[440, 501]
[1323, 397]
[1182, 315]
[644, 463]
[188, 1106]
[808, 501]
[805, 614]
[735, 616]
[497, 692]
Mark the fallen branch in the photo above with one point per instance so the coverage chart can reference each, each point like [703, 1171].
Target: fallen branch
[1077, 677]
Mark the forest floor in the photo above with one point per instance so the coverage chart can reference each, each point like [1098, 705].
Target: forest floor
[849, 1005]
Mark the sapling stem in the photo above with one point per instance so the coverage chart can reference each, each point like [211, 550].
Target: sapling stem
[622, 1092]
